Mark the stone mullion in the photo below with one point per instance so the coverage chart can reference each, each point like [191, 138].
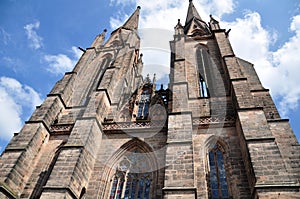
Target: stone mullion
[125, 184]
[137, 188]
[111, 186]
[117, 187]
[130, 186]
[144, 187]
[151, 189]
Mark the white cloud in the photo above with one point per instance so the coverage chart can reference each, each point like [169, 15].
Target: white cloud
[159, 14]
[76, 52]
[287, 61]
[6, 37]
[117, 22]
[156, 25]
[15, 98]
[12, 63]
[10, 117]
[250, 40]
[156, 50]
[249, 30]
[121, 2]
[32, 36]
[277, 70]
[61, 63]
[217, 7]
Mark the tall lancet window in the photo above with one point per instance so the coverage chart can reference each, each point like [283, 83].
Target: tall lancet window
[203, 62]
[144, 103]
[217, 174]
[130, 180]
[203, 87]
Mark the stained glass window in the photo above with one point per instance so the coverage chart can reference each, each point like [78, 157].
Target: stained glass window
[144, 105]
[133, 188]
[113, 188]
[130, 180]
[217, 174]
[141, 189]
[147, 189]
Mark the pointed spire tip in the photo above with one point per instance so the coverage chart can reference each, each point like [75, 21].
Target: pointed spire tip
[192, 13]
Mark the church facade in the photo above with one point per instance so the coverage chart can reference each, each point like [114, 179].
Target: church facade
[105, 131]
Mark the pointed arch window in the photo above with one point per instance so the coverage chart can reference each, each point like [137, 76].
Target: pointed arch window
[144, 103]
[129, 180]
[217, 174]
[203, 62]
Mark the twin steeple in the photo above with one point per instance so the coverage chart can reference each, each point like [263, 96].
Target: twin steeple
[193, 24]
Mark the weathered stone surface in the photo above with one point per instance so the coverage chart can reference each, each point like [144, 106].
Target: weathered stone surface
[97, 124]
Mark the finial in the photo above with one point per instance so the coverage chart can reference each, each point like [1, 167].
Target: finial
[147, 80]
[139, 7]
[104, 31]
[141, 58]
[178, 24]
[154, 78]
[191, 1]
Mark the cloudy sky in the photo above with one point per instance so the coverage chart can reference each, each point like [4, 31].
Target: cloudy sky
[39, 40]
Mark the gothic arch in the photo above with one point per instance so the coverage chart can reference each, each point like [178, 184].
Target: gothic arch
[201, 45]
[134, 159]
[217, 168]
[203, 144]
[212, 140]
[108, 57]
[204, 64]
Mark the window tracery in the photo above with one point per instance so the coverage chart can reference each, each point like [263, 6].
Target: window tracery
[217, 174]
[144, 103]
[131, 179]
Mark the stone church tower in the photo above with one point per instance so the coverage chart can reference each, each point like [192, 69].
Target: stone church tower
[105, 132]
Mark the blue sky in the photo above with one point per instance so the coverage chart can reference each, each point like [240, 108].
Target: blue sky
[39, 40]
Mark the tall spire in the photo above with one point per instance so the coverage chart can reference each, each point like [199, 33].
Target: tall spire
[192, 12]
[133, 21]
[194, 25]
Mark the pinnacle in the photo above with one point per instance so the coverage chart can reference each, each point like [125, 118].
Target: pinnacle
[132, 22]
